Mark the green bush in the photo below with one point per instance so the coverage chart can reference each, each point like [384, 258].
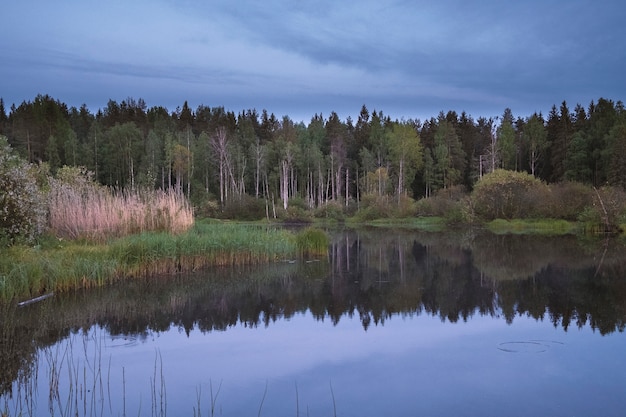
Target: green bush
[385, 207]
[244, 207]
[22, 204]
[445, 203]
[504, 194]
[609, 205]
[570, 200]
[331, 210]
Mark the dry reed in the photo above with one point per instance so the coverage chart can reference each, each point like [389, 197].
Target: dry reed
[96, 213]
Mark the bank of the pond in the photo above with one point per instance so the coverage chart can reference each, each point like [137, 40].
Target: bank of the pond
[545, 227]
[60, 265]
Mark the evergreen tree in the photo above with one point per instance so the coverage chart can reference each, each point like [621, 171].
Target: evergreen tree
[560, 131]
[578, 161]
[4, 119]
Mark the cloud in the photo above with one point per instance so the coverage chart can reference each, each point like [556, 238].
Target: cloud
[402, 54]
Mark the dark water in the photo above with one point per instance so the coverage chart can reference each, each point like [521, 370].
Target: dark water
[393, 323]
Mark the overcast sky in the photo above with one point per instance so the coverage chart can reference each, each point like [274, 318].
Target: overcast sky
[410, 59]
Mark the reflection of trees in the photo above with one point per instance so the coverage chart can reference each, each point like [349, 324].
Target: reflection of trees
[370, 274]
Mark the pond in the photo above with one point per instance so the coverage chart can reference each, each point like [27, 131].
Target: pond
[393, 322]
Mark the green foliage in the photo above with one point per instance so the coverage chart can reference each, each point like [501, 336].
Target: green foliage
[130, 147]
[69, 265]
[577, 162]
[449, 204]
[535, 227]
[22, 204]
[506, 144]
[406, 153]
[243, 207]
[332, 210]
[384, 207]
[312, 241]
[294, 214]
[569, 200]
[505, 194]
[536, 139]
[448, 155]
[609, 204]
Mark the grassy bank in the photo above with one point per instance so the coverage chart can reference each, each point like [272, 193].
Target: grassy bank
[551, 227]
[59, 265]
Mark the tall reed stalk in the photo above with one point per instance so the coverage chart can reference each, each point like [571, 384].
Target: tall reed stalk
[86, 210]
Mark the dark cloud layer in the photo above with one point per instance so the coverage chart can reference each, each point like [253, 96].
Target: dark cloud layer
[409, 59]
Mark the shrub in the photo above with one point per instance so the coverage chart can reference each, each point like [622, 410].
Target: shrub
[294, 214]
[384, 207]
[331, 210]
[442, 203]
[505, 194]
[22, 204]
[570, 199]
[244, 207]
[609, 203]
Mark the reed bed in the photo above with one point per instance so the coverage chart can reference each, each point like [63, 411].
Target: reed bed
[30, 272]
[96, 213]
[203, 246]
[312, 242]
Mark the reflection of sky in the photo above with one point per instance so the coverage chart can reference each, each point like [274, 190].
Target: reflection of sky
[409, 366]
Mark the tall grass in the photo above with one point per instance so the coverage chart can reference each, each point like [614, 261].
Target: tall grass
[204, 245]
[85, 210]
[312, 242]
[29, 272]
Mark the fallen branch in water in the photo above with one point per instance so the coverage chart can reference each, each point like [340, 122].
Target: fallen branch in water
[35, 300]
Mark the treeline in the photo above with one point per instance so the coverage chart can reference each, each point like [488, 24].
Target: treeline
[212, 154]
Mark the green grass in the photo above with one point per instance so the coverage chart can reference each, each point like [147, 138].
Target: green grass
[534, 226]
[68, 265]
[433, 224]
[312, 241]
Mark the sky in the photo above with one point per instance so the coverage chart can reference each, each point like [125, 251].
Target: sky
[408, 59]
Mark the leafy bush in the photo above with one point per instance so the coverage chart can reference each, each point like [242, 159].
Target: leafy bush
[570, 199]
[331, 210]
[384, 207]
[609, 204]
[22, 204]
[244, 207]
[506, 195]
[442, 203]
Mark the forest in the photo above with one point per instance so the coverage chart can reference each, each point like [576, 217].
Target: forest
[221, 159]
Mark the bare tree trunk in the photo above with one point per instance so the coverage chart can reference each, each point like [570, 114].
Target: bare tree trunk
[347, 186]
[284, 183]
[400, 179]
[218, 143]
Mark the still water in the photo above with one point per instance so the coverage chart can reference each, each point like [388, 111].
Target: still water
[394, 322]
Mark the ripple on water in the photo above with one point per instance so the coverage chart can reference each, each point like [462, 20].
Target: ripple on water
[528, 346]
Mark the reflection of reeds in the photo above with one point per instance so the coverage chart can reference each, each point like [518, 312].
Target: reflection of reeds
[77, 386]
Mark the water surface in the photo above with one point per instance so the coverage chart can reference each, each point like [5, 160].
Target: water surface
[392, 323]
